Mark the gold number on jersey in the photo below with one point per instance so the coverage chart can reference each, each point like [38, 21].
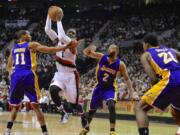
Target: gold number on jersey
[22, 59]
[167, 57]
[105, 77]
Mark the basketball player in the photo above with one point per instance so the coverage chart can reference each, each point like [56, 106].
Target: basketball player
[23, 78]
[66, 78]
[162, 66]
[107, 71]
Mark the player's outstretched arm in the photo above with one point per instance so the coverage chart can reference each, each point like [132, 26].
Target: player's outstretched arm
[177, 54]
[90, 51]
[145, 60]
[49, 31]
[45, 49]
[123, 71]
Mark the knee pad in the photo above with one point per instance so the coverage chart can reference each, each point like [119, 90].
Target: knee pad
[112, 112]
[111, 105]
[54, 90]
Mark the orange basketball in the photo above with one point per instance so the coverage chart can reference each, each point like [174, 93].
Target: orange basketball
[55, 13]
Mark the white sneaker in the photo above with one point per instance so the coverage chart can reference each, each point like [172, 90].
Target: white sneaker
[7, 132]
[45, 133]
[64, 118]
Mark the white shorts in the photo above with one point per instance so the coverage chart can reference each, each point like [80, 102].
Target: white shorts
[68, 82]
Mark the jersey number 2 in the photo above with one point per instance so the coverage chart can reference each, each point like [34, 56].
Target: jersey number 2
[21, 55]
[167, 57]
[105, 78]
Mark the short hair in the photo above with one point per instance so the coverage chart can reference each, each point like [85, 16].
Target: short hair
[71, 30]
[117, 48]
[21, 33]
[151, 39]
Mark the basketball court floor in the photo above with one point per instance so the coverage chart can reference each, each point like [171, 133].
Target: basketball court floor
[26, 124]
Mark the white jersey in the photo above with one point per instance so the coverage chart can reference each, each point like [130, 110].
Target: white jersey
[65, 60]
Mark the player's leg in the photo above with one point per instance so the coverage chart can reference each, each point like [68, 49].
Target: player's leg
[176, 115]
[110, 96]
[33, 93]
[56, 87]
[16, 96]
[159, 96]
[72, 92]
[54, 92]
[40, 117]
[112, 114]
[142, 118]
[175, 111]
[13, 115]
[64, 111]
[96, 102]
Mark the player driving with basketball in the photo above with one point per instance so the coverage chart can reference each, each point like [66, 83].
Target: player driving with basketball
[66, 79]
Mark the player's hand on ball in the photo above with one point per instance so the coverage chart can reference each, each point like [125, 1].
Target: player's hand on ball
[55, 13]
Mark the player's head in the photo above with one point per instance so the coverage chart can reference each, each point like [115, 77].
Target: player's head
[24, 35]
[113, 51]
[149, 41]
[71, 33]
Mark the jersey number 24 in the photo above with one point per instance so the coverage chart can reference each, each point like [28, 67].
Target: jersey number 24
[167, 57]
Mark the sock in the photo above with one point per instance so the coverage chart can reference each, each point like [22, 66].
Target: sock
[178, 131]
[143, 131]
[44, 128]
[9, 125]
[112, 129]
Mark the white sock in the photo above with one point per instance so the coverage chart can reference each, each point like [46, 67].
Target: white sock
[8, 130]
[45, 133]
[49, 31]
[178, 131]
[61, 33]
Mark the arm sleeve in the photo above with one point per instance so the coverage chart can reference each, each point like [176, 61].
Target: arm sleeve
[61, 34]
[51, 33]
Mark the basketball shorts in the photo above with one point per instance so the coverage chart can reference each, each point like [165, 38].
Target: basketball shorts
[24, 82]
[99, 95]
[165, 92]
[68, 82]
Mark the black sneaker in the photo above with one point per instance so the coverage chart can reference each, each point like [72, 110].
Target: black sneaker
[84, 132]
[84, 121]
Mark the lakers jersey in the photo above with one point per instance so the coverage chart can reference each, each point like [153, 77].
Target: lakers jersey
[163, 60]
[106, 73]
[23, 57]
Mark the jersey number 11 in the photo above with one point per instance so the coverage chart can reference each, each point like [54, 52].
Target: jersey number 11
[18, 61]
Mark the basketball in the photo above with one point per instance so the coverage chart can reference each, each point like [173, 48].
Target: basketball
[55, 13]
